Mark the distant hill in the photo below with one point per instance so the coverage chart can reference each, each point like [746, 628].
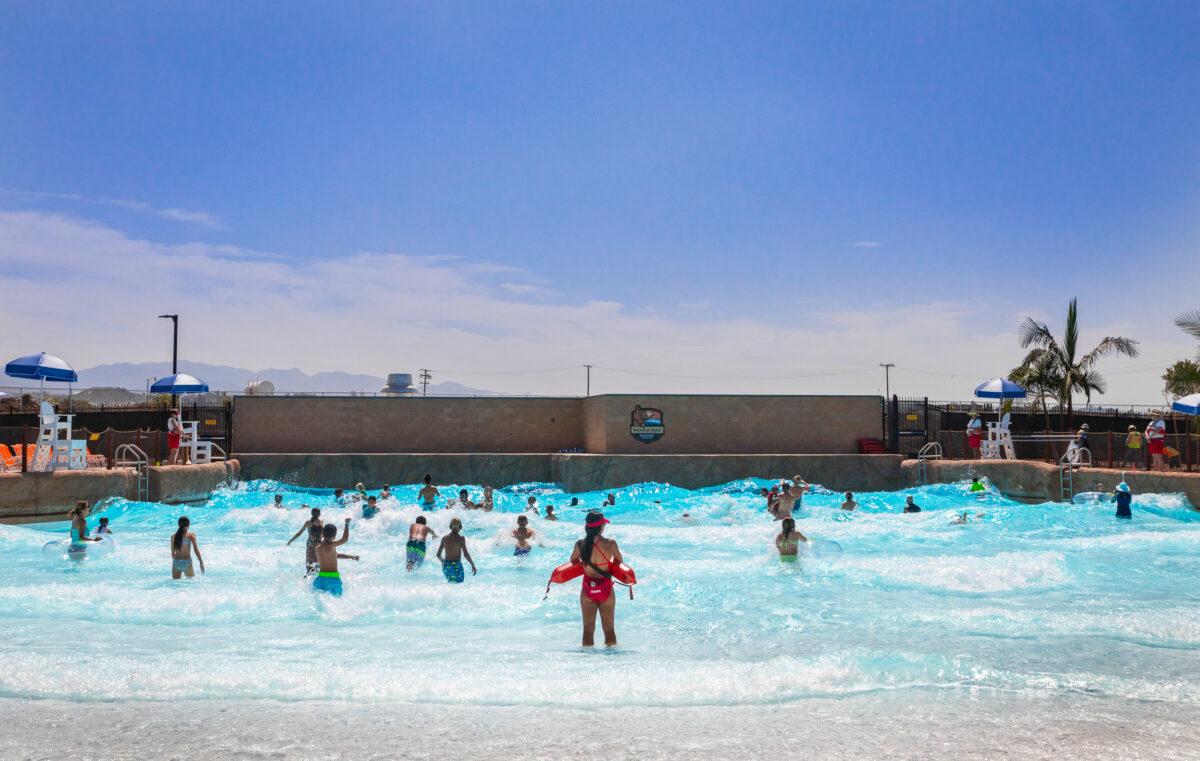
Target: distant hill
[134, 376]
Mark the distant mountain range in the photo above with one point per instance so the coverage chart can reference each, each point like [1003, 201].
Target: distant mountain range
[136, 376]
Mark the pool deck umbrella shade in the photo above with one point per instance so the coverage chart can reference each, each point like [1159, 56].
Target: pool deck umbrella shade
[41, 367]
[1188, 405]
[999, 388]
[182, 383]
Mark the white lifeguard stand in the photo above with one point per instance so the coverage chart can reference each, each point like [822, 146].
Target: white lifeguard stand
[999, 443]
[199, 452]
[55, 448]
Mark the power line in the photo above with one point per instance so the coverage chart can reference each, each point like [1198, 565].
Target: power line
[735, 378]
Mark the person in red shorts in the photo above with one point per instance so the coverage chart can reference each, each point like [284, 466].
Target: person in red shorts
[974, 434]
[1156, 439]
[174, 435]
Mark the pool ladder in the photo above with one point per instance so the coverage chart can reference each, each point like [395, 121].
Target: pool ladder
[1071, 460]
[931, 451]
[131, 455]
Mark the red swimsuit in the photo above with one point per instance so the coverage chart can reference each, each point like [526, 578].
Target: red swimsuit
[598, 590]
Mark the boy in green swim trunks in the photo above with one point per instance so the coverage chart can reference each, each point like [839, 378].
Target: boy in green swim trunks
[414, 551]
[328, 579]
[451, 552]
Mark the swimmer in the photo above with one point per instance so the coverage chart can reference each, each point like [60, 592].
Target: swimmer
[79, 529]
[531, 505]
[790, 498]
[339, 498]
[313, 527]
[371, 509]
[849, 504]
[523, 534]
[910, 506]
[414, 551]
[550, 516]
[976, 486]
[788, 541]
[385, 492]
[961, 519]
[182, 544]
[598, 554]
[487, 499]
[451, 551]
[574, 502]
[610, 500]
[103, 529]
[429, 494]
[1123, 496]
[771, 496]
[464, 499]
[329, 579]
[278, 501]
[361, 491]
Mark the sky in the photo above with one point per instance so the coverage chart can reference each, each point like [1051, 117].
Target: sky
[751, 197]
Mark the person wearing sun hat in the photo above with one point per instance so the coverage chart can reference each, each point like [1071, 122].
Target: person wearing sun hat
[1133, 448]
[1123, 496]
[974, 435]
[1156, 439]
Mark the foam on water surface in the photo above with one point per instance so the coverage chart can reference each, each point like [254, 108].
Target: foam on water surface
[1046, 600]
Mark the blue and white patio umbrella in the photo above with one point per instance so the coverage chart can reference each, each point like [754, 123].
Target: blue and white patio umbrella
[42, 367]
[1189, 405]
[999, 388]
[181, 383]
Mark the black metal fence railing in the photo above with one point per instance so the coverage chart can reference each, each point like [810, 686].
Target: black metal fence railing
[1108, 448]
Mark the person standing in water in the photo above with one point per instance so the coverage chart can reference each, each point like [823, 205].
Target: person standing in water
[977, 487]
[531, 505]
[313, 527]
[849, 504]
[1123, 496]
[598, 554]
[103, 530]
[329, 579]
[910, 506]
[418, 535]
[371, 508]
[428, 496]
[79, 529]
[451, 551]
[522, 533]
[550, 516]
[788, 541]
[790, 497]
[183, 542]
[610, 500]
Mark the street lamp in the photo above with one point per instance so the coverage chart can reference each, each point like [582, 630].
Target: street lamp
[174, 318]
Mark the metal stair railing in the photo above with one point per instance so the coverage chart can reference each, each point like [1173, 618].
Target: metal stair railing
[931, 451]
[131, 455]
[1076, 457]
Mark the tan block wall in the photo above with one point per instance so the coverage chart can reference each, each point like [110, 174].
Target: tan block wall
[293, 424]
[744, 424]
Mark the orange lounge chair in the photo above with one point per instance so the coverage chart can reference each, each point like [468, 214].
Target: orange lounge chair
[8, 460]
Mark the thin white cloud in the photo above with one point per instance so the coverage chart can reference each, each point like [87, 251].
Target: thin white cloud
[865, 244]
[188, 216]
[389, 312]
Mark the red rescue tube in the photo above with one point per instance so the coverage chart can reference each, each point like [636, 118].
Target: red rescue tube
[566, 572]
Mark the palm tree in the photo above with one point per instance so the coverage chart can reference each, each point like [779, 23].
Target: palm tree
[1042, 379]
[1076, 373]
[1189, 322]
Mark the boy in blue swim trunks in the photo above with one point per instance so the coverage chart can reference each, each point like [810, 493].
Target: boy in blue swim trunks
[522, 534]
[371, 509]
[451, 552]
[414, 551]
[428, 495]
[328, 579]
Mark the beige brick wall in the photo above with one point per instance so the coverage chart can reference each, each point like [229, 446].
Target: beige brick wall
[381, 425]
[599, 424]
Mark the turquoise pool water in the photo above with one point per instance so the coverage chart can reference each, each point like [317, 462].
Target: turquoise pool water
[1047, 600]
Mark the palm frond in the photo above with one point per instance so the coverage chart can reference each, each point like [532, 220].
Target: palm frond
[1189, 322]
[1034, 333]
[1110, 345]
[1071, 334]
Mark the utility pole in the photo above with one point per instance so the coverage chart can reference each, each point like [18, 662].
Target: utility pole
[887, 381]
[425, 377]
[589, 380]
[174, 318]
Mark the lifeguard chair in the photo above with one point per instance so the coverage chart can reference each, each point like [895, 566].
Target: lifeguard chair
[999, 444]
[55, 449]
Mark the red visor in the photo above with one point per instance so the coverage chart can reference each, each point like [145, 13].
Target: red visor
[594, 524]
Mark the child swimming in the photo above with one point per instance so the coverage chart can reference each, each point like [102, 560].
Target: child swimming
[451, 551]
[278, 501]
[788, 541]
[313, 527]
[182, 544]
[522, 533]
[103, 529]
[427, 497]
[370, 509]
[329, 579]
[550, 516]
[976, 487]
[849, 504]
[414, 551]
[531, 505]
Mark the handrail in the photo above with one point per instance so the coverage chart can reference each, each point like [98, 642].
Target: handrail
[931, 451]
[137, 456]
[1080, 460]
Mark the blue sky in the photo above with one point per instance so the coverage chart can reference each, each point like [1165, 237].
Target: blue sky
[715, 179]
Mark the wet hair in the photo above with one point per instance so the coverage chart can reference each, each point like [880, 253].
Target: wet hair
[80, 506]
[849, 495]
[428, 479]
[104, 519]
[177, 539]
[522, 520]
[314, 532]
[371, 498]
[329, 531]
[589, 534]
[316, 512]
[531, 499]
[789, 526]
[278, 497]
[549, 508]
[421, 519]
[574, 501]
[337, 492]
[455, 523]
[463, 493]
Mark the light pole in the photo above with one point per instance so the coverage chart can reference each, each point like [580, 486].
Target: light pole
[174, 318]
[425, 378]
[887, 384]
[588, 385]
